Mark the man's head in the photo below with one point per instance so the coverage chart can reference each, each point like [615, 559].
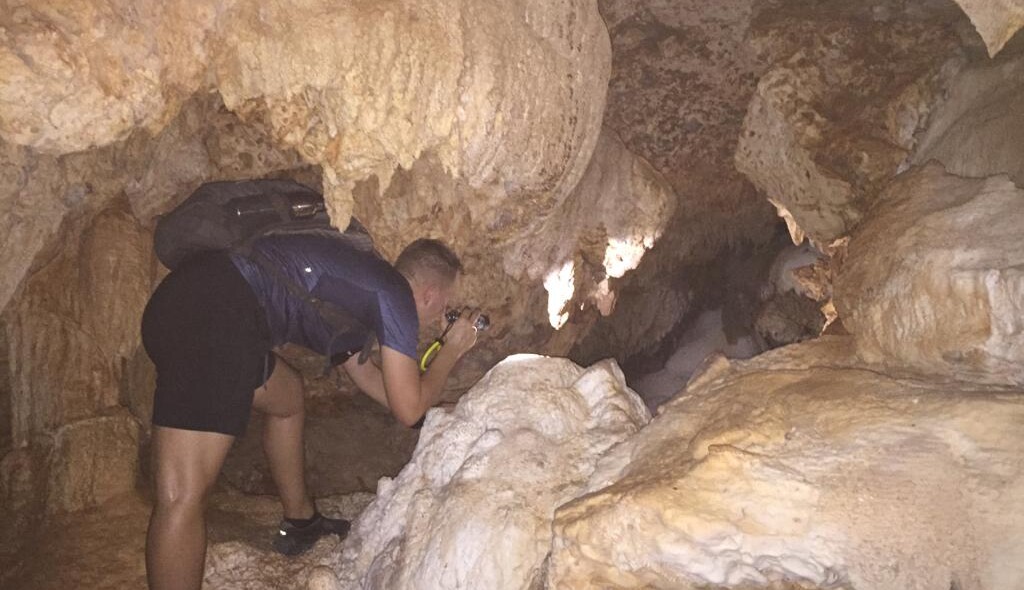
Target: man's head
[432, 270]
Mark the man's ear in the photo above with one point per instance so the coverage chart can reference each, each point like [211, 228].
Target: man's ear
[430, 293]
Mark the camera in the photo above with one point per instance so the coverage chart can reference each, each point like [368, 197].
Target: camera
[482, 321]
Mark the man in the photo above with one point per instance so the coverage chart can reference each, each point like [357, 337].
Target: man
[210, 328]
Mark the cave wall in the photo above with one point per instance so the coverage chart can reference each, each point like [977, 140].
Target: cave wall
[72, 444]
[78, 392]
[452, 120]
[508, 101]
[482, 124]
[932, 282]
[755, 111]
[836, 114]
[682, 77]
[804, 468]
[977, 127]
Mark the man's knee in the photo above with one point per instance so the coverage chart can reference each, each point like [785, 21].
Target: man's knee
[185, 465]
[174, 494]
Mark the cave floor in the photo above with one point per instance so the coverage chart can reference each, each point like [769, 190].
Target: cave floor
[103, 548]
[351, 442]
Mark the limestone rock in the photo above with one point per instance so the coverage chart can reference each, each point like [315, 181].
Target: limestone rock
[76, 325]
[611, 220]
[95, 460]
[23, 475]
[39, 192]
[996, 20]
[833, 120]
[933, 281]
[204, 142]
[473, 507]
[322, 578]
[788, 318]
[704, 338]
[978, 130]
[683, 73]
[240, 556]
[503, 105]
[531, 259]
[77, 75]
[138, 382]
[34, 197]
[508, 94]
[800, 469]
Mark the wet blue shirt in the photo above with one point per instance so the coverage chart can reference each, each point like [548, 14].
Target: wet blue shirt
[359, 282]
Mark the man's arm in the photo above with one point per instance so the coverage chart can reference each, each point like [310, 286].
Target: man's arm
[398, 384]
[367, 378]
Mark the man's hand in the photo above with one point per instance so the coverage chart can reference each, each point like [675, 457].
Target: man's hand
[398, 385]
[463, 333]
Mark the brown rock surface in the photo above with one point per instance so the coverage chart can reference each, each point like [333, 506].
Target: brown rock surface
[485, 124]
[38, 191]
[103, 548]
[80, 75]
[978, 129]
[683, 74]
[933, 281]
[506, 101]
[836, 115]
[596, 233]
[351, 443]
[94, 460]
[76, 324]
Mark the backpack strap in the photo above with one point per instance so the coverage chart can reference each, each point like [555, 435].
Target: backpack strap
[371, 341]
[339, 320]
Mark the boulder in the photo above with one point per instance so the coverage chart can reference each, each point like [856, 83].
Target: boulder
[803, 469]
[933, 281]
[473, 508]
[94, 460]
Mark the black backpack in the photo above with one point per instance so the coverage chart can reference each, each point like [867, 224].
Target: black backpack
[232, 215]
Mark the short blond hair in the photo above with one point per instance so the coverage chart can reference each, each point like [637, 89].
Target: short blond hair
[427, 255]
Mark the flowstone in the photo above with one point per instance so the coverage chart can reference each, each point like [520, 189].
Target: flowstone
[473, 508]
[804, 469]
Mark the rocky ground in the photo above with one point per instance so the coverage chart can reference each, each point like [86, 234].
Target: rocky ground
[352, 444]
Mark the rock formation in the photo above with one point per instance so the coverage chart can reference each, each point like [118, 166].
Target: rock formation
[996, 20]
[473, 508]
[831, 122]
[940, 247]
[801, 469]
[600, 173]
[978, 128]
[454, 120]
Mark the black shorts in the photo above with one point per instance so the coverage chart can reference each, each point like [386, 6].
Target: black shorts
[208, 337]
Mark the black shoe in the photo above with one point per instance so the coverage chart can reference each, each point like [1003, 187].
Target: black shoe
[292, 540]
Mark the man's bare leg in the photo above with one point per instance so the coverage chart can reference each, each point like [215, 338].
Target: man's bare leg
[281, 401]
[186, 464]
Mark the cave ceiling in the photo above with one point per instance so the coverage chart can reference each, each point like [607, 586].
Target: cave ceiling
[454, 104]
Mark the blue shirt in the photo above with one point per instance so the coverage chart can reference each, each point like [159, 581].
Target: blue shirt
[359, 282]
